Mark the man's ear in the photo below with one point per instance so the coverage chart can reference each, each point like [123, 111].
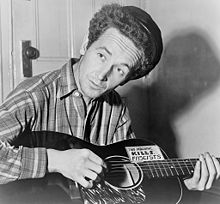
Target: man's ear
[83, 47]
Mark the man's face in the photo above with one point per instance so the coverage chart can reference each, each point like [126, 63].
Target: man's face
[106, 63]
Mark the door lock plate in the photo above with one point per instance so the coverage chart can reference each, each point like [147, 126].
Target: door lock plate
[26, 61]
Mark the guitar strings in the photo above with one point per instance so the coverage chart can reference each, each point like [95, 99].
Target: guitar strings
[159, 168]
[157, 165]
[156, 161]
[156, 169]
[164, 164]
[151, 173]
[120, 169]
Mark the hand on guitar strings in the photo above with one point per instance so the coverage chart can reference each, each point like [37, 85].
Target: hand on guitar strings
[207, 170]
[80, 165]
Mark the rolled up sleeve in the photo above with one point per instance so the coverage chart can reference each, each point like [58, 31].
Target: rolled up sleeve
[33, 162]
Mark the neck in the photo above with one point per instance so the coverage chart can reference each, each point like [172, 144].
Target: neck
[169, 168]
[76, 71]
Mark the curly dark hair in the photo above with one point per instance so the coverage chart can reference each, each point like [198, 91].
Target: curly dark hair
[113, 15]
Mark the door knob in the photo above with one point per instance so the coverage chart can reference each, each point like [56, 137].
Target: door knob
[31, 53]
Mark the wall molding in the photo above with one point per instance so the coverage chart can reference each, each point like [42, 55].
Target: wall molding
[6, 44]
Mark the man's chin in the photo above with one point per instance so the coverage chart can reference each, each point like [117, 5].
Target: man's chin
[92, 94]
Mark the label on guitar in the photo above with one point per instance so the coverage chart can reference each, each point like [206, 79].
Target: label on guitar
[144, 153]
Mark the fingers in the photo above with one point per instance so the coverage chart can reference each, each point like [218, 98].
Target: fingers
[207, 169]
[84, 182]
[93, 157]
[87, 178]
[91, 169]
[211, 171]
[216, 163]
[93, 161]
[204, 173]
[207, 172]
[192, 183]
[97, 168]
[197, 172]
[90, 175]
[96, 159]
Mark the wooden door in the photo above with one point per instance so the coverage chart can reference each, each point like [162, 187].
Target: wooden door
[51, 27]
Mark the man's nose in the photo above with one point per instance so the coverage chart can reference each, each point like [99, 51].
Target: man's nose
[104, 73]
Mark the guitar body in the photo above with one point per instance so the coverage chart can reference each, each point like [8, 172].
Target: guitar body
[130, 186]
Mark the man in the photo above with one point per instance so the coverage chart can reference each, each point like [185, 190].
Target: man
[124, 43]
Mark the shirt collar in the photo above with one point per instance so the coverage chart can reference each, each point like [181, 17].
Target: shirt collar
[67, 79]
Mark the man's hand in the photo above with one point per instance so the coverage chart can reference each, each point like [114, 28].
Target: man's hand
[80, 165]
[206, 171]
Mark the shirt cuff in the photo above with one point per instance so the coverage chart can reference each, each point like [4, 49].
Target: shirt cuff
[33, 162]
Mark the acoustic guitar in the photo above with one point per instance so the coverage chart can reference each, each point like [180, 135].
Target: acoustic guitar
[138, 171]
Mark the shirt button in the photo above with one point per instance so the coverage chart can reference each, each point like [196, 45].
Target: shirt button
[77, 94]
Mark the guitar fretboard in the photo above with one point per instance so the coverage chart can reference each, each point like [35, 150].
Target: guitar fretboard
[169, 168]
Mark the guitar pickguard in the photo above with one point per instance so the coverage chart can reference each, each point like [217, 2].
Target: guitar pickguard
[121, 184]
[105, 193]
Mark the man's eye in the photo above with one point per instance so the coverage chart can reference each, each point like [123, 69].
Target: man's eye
[101, 56]
[120, 71]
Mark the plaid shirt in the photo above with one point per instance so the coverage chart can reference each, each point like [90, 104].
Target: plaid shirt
[51, 101]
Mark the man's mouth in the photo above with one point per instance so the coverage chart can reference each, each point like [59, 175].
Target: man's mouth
[96, 85]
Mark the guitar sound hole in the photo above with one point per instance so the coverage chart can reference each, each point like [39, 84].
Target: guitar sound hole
[123, 174]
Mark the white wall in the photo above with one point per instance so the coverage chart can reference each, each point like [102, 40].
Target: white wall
[197, 124]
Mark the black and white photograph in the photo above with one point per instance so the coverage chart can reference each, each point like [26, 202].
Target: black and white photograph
[109, 102]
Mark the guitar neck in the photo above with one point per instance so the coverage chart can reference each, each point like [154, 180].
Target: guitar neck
[169, 168]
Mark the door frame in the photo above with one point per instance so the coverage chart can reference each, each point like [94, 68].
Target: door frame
[6, 44]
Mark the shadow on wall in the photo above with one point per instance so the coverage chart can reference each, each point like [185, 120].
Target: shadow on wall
[188, 69]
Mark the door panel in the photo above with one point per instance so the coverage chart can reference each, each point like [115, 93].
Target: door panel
[52, 34]
[46, 24]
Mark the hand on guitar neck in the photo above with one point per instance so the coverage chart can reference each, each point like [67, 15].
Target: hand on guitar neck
[207, 170]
